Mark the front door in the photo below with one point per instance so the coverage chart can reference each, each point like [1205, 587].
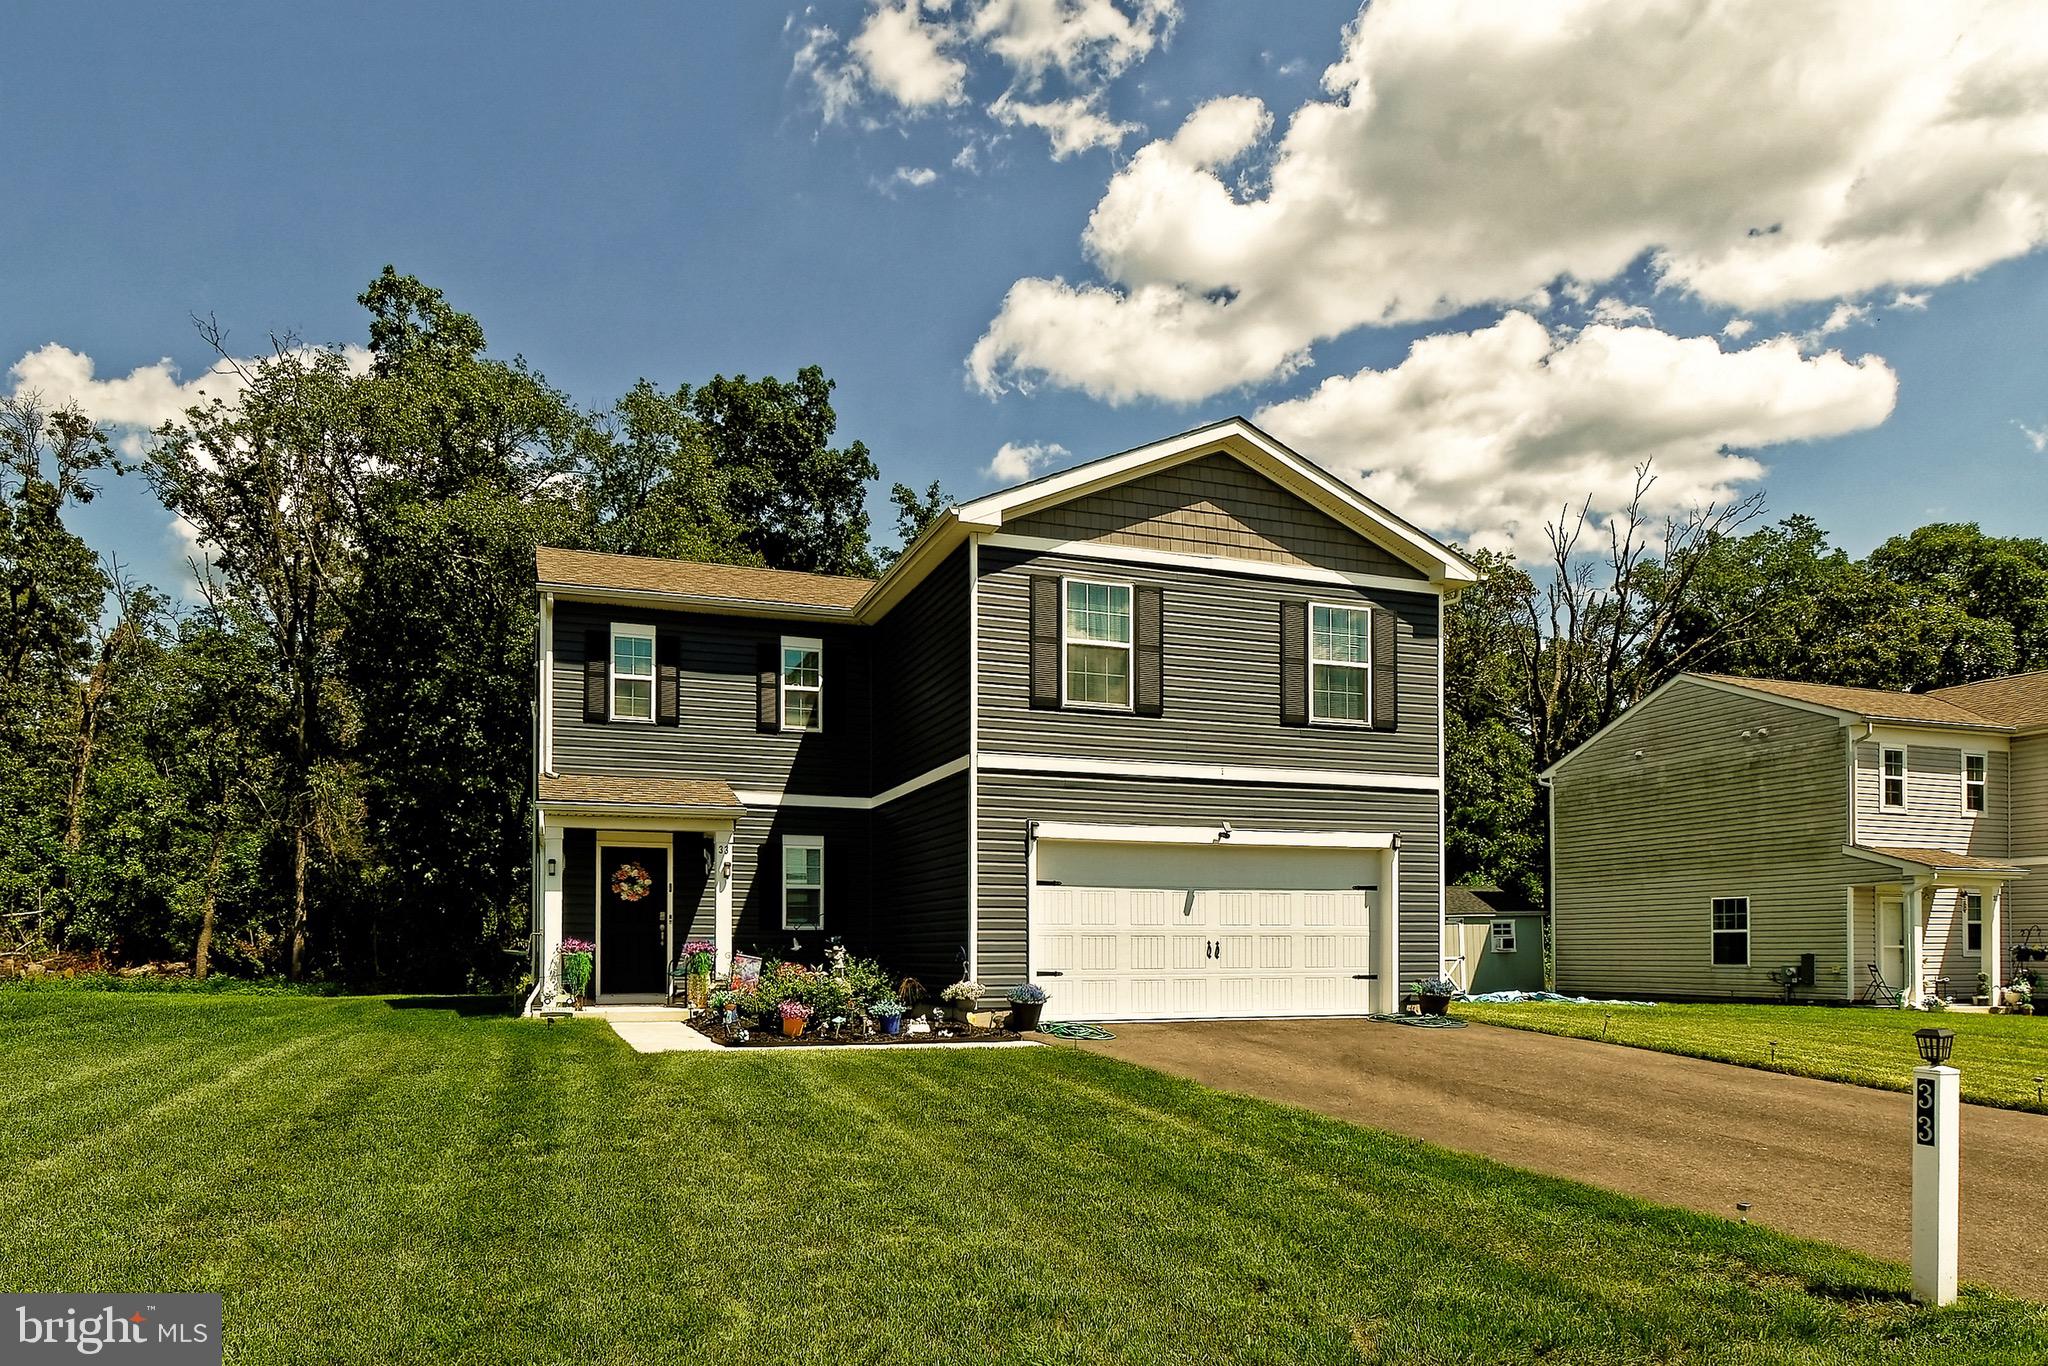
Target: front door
[1891, 941]
[632, 921]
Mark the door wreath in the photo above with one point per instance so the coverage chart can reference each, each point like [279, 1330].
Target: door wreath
[631, 882]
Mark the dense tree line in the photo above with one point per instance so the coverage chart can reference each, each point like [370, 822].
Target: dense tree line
[321, 767]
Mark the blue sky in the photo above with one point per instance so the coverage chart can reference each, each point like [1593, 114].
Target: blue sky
[622, 191]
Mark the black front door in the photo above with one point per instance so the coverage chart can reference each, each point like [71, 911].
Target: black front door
[632, 928]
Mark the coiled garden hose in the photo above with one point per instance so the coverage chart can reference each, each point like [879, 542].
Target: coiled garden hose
[1062, 1029]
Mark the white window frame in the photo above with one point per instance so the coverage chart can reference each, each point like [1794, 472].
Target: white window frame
[1884, 778]
[1129, 647]
[1973, 901]
[1981, 785]
[613, 677]
[1364, 608]
[1496, 941]
[790, 842]
[783, 687]
[1714, 932]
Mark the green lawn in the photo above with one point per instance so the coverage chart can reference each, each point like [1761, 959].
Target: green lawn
[2002, 1057]
[372, 1180]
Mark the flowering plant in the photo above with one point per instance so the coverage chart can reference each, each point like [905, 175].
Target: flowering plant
[1029, 994]
[577, 963]
[631, 882]
[963, 994]
[888, 1008]
[570, 946]
[1436, 986]
[699, 955]
[795, 1010]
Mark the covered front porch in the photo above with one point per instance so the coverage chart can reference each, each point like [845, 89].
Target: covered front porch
[1927, 924]
[635, 867]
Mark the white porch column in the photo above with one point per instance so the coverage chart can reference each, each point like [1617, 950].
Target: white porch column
[1914, 914]
[549, 874]
[721, 871]
[1991, 961]
[1387, 962]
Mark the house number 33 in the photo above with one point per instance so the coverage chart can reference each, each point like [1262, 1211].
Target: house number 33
[1923, 1112]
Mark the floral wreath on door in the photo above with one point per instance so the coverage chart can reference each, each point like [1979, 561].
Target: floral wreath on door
[631, 882]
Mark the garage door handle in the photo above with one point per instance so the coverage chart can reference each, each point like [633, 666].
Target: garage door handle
[1365, 977]
[1052, 974]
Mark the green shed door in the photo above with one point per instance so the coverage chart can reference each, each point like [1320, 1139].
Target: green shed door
[1510, 955]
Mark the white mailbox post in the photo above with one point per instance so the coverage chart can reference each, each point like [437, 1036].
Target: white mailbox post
[1937, 1115]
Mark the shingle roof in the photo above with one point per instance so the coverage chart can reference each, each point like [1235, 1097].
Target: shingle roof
[699, 794]
[2021, 700]
[1877, 703]
[721, 582]
[1483, 903]
[1939, 858]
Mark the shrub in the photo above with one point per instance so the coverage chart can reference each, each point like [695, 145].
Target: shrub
[965, 995]
[1029, 994]
[886, 1008]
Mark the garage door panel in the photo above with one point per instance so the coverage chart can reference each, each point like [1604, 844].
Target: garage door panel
[1148, 953]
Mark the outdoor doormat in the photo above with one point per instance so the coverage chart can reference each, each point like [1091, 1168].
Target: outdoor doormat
[749, 1036]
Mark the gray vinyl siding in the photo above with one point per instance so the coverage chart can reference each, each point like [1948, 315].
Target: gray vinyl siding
[579, 884]
[717, 737]
[921, 682]
[1642, 846]
[757, 882]
[2027, 897]
[1934, 817]
[1222, 674]
[920, 891]
[1010, 802]
[1213, 505]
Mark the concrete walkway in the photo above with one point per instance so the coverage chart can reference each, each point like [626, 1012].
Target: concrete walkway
[1817, 1159]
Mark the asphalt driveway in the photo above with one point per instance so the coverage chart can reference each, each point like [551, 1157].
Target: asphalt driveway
[1813, 1158]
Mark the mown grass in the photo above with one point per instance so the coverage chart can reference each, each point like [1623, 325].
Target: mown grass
[2003, 1058]
[373, 1180]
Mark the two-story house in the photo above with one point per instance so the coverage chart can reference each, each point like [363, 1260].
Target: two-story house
[1160, 732]
[1722, 830]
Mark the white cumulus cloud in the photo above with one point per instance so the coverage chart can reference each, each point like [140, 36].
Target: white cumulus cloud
[2037, 437]
[1466, 153]
[1015, 461]
[135, 403]
[1485, 435]
[1072, 125]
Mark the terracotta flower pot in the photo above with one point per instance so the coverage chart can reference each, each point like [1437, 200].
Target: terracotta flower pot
[792, 1026]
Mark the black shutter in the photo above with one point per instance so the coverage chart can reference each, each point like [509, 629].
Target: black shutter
[1148, 622]
[668, 681]
[597, 675]
[1045, 641]
[1386, 671]
[768, 686]
[1293, 663]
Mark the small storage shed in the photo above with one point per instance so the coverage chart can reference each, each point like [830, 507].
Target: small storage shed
[1493, 940]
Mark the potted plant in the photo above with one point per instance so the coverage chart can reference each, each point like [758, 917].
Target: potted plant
[699, 956]
[795, 1015]
[961, 998]
[1435, 995]
[887, 1013]
[579, 957]
[1027, 1002]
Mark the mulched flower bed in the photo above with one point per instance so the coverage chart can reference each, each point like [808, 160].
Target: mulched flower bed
[774, 1038]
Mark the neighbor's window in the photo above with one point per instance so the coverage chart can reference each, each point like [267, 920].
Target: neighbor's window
[1339, 662]
[803, 883]
[1503, 936]
[1894, 769]
[632, 673]
[1731, 931]
[1098, 643]
[803, 684]
[1974, 766]
[1973, 921]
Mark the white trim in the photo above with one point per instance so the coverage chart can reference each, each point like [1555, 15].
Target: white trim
[544, 758]
[612, 677]
[783, 846]
[1355, 723]
[693, 602]
[1963, 895]
[783, 687]
[1071, 831]
[1983, 784]
[1714, 932]
[1220, 564]
[1129, 646]
[1443, 871]
[974, 774]
[773, 797]
[1224, 773]
[623, 839]
[1884, 778]
[1849, 943]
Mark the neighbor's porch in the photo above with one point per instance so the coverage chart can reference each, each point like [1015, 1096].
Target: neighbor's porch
[1929, 930]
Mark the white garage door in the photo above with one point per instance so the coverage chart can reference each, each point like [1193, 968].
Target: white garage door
[1138, 932]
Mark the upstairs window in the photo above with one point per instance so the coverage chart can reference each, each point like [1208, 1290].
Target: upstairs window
[1503, 936]
[1893, 771]
[632, 673]
[803, 883]
[1731, 931]
[1973, 921]
[1098, 644]
[1339, 663]
[803, 684]
[1974, 786]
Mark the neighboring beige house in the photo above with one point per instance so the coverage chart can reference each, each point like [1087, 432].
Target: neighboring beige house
[1722, 829]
